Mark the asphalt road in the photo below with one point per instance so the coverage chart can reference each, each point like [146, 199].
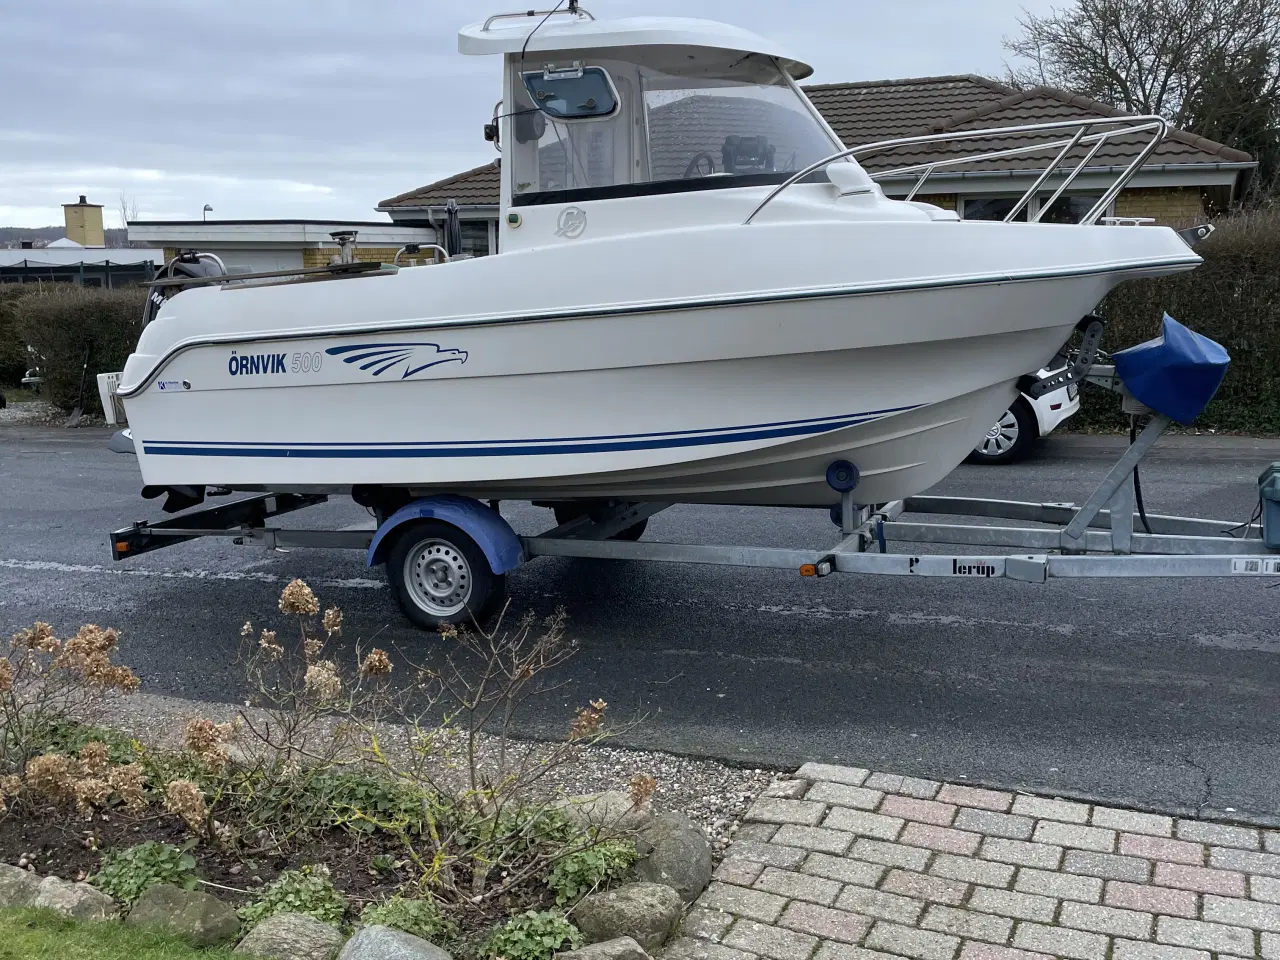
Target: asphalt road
[1159, 694]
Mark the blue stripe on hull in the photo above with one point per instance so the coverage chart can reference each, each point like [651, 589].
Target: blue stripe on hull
[514, 448]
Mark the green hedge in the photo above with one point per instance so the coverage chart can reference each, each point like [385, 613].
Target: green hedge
[62, 321]
[1234, 298]
[13, 352]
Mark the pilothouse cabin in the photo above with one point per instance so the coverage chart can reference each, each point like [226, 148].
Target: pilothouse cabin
[638, 107]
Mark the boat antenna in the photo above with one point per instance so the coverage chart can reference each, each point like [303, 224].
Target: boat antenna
[573, 8]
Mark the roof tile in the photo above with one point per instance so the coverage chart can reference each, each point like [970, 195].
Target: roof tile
[870, 111]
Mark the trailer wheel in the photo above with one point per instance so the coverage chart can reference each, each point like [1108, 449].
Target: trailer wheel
[439, 576]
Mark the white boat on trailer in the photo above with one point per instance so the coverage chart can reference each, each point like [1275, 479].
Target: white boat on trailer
[701, 297]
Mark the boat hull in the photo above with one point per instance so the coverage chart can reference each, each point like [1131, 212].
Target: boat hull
[740, 404]
[724, 363]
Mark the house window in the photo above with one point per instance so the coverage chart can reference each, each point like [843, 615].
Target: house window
[1066, 209]
[990, 208]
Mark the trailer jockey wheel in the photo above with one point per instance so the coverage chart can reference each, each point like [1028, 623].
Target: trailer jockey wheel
[438, 575]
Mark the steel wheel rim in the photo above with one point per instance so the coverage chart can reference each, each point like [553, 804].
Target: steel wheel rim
[438, 577]
[1002, 437]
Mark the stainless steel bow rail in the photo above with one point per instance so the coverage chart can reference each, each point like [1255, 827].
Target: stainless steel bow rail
[1109, 128]
[1103, 537]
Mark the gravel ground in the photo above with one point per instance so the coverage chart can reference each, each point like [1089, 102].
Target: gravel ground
[29, 412]
[714, 795]
[40, 413]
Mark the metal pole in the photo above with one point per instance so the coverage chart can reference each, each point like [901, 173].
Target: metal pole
[1048, 172]
[1122, 471]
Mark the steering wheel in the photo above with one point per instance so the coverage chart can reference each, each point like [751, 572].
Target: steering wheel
[694, 169]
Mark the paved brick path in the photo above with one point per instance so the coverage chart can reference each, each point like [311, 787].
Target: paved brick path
[843, 864]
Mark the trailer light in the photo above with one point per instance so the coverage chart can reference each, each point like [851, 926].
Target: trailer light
[122, 546]
[808, 570]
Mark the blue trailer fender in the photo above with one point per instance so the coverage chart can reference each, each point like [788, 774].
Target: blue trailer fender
[492, 534]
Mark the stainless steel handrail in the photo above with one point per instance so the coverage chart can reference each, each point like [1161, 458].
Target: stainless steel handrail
[575, 11]
[1126, 125]
[420, 247]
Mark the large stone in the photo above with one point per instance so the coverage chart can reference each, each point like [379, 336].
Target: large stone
[291, 936]
[674, 851]
[376, 942]
[611, 812]
[77, 900]
[201, 918]
[17, 886]
[623, 948]
[647, 912]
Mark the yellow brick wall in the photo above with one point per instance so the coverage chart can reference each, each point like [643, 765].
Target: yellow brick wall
[1166, 204]
[947, 201]
[170, 253]
[319, 256]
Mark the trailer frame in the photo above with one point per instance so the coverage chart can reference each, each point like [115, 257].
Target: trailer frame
[1099, 538]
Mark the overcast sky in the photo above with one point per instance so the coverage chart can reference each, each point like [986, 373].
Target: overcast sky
[322, 108]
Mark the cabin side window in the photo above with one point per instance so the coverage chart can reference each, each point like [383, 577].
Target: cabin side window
[586, 126]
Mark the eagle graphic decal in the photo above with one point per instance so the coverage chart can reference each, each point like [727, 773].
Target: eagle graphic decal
[382, 357]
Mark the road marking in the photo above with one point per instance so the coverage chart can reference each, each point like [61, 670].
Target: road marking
[49, 566]
[1264, 642]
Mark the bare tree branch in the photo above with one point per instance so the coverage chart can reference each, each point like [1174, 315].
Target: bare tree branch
[1208, 66]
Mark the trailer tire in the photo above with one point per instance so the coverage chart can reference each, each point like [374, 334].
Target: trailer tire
[439, 576]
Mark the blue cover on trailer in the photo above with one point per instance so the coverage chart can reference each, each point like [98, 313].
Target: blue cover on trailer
[492, 534]
[1176, 374]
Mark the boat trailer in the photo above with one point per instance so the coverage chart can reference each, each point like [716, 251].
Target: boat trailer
[446, 556]
[1032, 542]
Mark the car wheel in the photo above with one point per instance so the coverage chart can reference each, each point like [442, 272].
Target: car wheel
[1010, 438]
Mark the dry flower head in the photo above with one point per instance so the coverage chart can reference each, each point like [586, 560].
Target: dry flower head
[376, 664]
[588, 720]
[272, 650]
[10, 787]
[129, 784]
[299, 599]
[207, 740]
[185, 799]
[38, 637]
[94, 759]
[642, 786]
[49, 776]
[332, 621]
[322, 680]
[88, 655]
[90, 792]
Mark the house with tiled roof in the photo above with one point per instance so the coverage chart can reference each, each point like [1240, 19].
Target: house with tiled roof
[1186, 178]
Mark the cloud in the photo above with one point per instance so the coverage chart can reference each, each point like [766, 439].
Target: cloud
[321, 108]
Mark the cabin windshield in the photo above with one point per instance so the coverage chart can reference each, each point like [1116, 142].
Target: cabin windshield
[685, 119]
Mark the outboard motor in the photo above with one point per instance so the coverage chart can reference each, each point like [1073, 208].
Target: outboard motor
[188, 263]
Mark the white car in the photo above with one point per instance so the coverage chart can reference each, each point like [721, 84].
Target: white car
[1024, 423]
